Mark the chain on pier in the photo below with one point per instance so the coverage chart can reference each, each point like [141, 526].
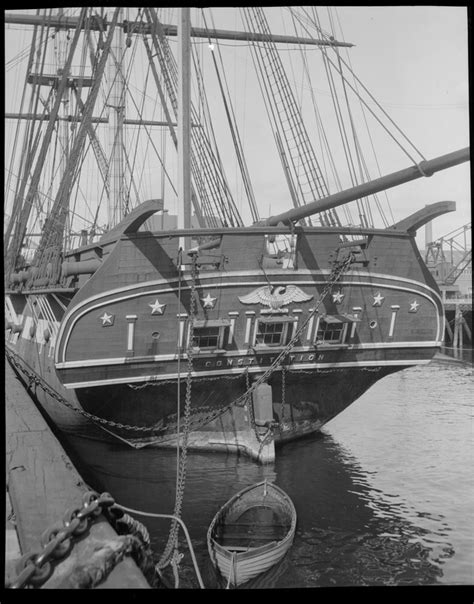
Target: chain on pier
[34, 568]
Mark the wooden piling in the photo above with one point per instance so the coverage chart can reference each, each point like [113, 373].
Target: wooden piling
[43, 484]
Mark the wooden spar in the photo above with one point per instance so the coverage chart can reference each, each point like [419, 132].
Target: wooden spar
[97, 23]
[93, 120]
[116, 109]
[424, 168]
[14, 245]
[184, 120]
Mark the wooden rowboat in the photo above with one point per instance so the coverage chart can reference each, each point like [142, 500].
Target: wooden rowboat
[251, 532]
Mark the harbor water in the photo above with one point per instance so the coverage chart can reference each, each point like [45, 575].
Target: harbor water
[384, 495]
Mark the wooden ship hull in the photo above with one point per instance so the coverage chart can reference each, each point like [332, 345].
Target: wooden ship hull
[227, 337]
[251, 533]
[100, 352]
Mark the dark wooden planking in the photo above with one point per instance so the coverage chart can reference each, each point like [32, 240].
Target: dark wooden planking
[43, 484]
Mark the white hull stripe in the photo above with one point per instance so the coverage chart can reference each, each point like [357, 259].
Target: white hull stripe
[162, 282]
[224, 372]
[227, 284]
[243, 353]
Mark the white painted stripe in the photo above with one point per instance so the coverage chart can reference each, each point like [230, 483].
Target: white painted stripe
[310, 328]
[354, 324]
[392, 322]
[353, 283]
[131, 329]
[244, 353]
[247, 330]
[181, 333]
[227, 371]
[254, 335]
[231, 330]
[169, 289]
[257, 273]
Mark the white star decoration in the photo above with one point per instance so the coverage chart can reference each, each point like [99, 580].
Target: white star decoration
[106, 319]
[157, 308]
[208, 301]
[414, 306]
[337, 297]
[378, 299]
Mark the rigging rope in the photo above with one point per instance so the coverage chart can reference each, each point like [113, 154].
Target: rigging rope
[233, 127]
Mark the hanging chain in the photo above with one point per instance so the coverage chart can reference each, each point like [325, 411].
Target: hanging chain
[34, 378]
[338, 269]
[171, 549]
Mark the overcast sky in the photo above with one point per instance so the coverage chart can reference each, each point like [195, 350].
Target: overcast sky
[414, 60]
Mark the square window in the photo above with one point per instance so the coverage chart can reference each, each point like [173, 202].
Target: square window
[331, 333]
[206, 337]
[271, 334]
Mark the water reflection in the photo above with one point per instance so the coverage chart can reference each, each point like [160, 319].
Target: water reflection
[348, 533]
[384, 496]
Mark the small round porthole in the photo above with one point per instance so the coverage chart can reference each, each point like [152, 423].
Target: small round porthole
[373, 324]
[155, 335]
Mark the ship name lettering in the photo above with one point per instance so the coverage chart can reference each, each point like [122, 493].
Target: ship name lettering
[247, 361]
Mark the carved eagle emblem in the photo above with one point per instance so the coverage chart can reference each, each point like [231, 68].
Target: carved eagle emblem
[275, 297]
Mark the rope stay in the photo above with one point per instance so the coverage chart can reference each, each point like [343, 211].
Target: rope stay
[206, 168]
[304, 176]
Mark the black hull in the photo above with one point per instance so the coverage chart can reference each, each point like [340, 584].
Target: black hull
[111, 358]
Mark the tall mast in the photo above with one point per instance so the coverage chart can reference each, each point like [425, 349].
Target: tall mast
[116, 201]
[184, 103]
[63, 126]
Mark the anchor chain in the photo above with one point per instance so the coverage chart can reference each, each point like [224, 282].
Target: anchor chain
[170, 553]
[35, 568]
[338, 269]
[34, 378]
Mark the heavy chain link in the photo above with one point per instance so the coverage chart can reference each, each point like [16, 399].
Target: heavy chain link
[34, 568]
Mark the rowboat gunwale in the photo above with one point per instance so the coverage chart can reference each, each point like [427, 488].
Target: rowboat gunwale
[240, 566]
